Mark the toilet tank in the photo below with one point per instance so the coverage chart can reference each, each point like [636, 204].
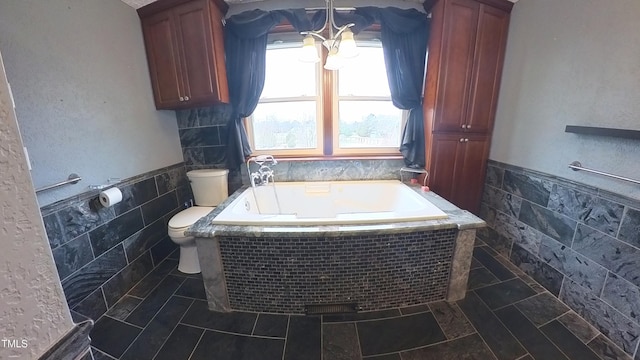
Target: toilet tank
[209, 186]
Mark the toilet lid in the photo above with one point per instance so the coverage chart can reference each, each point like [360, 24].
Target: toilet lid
[189, 216]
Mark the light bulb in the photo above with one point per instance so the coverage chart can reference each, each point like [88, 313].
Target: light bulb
[348, 48]
[333, 60]
[309, 52]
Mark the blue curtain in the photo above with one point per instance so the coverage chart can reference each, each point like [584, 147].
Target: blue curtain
[404, 36]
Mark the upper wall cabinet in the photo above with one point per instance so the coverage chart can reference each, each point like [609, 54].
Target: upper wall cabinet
[185, 50]
[466, 56]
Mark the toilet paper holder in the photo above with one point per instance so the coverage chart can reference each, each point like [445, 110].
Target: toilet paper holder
[110, 182]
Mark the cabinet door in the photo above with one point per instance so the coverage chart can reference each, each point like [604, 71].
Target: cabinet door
[444, 159]
[490, 45]
[459, 35]
[194, 36]
[470, 172]
[162, 55]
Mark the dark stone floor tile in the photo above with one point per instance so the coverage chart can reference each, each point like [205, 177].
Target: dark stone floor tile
[398, 334]
[526, 357]
[180, 344]
[93, 306]
[367, 315]
[304, 339]
[384, 357]
[475, 264]
[502, 294]
[124, 307]
[567, 342]
[340, 342]
[192, 288]
[154, 335]
[149, 282]
[271, 325]
[235, 322]
[99, 355]
[469, 348]
[112, 336]
[78, 318]
[604, 348]
[222, 346]
[542, 308]
[578, 326]
[499, 339]
[480, 277]
[162, 249]
[414, 309]
[493, 265]
[122, 282]
[156, 299]
[451, 319]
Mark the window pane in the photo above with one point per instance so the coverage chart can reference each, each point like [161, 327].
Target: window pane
[286, 76]
[285, 125]
[364, 75]
[367, 124]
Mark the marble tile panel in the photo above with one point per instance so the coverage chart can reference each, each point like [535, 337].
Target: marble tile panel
[502, 201]
[630, 228]
[213, 274]
[187, 118]
[81, 217]
[340, 342]
[201, 136]
[93, 306]
[171, 180]
[451, 319]
[527, 186]
[86, 280]
[138, 243]
[594, 211]
[580, 328]
[494, 176]
[271, 325]
[623, 296]
[609, 321]
[607, 350]
[398, 334]
[542, 308]
[578, 268]
[162, 249]
[460, 264]
[122, 282]
[487, 213]
[159, 207]
[517, 232]
[215, 155]
[184, 196]
[538, 345]
[149, 282]
[193, 156]
[548, 222]
[180, 344]
[72, 256]
[468, 347]
[539, 270]
[55, 231]
[135, 195]
[304, 340]
[338, 170]
[496, 241]
[235, 347]
[124, 307]
[215, 115]
[617, 256]
[112, 233]
[154, 335]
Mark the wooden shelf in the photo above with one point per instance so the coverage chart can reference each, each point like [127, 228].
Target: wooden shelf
[599, 131]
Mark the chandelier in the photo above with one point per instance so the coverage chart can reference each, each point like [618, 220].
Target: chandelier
[340, 43]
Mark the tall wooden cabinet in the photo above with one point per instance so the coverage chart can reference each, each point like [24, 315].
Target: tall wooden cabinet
[185, 51]
[466, 53]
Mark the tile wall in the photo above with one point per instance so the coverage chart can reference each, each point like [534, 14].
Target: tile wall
[579, 242]
[100, 253]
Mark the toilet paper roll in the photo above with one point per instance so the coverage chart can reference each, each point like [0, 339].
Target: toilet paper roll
[110, 197]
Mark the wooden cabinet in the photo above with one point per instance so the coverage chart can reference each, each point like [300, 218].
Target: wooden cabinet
[466, 53]
[185, 51]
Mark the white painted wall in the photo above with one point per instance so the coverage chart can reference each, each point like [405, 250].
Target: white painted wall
[81, 83]
[571, 62]
[32, 304]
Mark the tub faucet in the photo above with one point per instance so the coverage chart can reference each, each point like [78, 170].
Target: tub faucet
[264, 175]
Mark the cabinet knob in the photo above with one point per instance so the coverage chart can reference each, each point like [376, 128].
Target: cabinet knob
[468, 126]
[461, 140]
[186, 98]
[464, 126]
[181, 98]
[466, 140]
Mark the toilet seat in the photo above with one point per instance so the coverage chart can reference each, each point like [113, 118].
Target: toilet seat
[181, 221]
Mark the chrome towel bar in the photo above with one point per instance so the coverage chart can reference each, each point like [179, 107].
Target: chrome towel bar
[577, 166]
[72, 179]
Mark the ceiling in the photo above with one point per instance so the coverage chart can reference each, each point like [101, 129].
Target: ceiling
[140, 3]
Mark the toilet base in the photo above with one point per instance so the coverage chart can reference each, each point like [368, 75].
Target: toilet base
[189, 263]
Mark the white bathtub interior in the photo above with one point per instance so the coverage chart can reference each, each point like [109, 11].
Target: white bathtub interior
[324, 203]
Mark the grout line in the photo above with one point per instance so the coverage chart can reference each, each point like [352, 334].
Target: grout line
[195, 347]
[321, 339]
[476, 330]
[604, 284]
[122, 321]
[550, 321]
[173, 330]
[286, 336]
[255, 323]
[355, 326]
[635, 353]
[234, 333]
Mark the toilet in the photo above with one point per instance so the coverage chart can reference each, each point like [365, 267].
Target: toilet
[209, 188]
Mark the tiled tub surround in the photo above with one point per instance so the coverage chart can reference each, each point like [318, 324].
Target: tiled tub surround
[282, 268]
[102, 252]
[579, 242]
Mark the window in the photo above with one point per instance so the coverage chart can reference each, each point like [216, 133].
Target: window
[306, 110]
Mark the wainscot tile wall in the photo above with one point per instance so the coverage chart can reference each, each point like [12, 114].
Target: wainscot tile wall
[101, 253]
[579, 242]
[203, 135]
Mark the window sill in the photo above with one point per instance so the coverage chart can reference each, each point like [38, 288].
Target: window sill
[335, 157]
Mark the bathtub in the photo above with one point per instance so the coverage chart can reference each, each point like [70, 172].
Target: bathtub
[324, 203]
